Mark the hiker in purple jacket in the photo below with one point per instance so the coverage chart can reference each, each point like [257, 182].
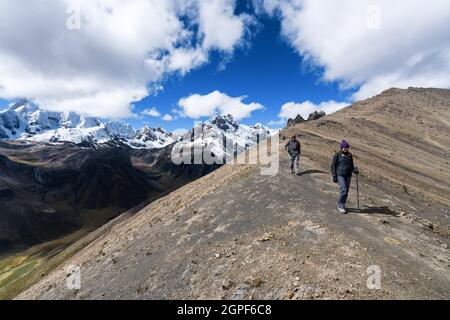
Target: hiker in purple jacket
[342, 168]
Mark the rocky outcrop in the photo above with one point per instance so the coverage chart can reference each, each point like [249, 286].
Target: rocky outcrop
[291, 122]
[316, 115]
[312, 116]
[225, 123]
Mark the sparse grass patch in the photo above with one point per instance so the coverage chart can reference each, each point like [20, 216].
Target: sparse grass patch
[9, 263]
[28, 269]
[12, 283]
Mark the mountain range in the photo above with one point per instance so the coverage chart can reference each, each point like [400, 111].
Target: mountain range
[24, 120]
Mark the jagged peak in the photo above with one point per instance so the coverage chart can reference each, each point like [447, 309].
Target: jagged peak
[23, 105]
[226, 122]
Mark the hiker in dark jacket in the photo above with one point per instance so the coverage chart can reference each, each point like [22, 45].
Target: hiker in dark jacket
[293, 148]
[342, 168]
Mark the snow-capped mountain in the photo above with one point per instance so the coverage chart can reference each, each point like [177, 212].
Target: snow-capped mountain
[154, 137]
[224, 133]
[24, 120]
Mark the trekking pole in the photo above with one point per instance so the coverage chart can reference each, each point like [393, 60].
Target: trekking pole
[357, 190]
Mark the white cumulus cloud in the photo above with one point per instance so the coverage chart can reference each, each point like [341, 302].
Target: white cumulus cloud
[292, 109]
[152, 112]
[218, 24]
[370, 44]
[168, 117]
[216, 103]
[120, 54]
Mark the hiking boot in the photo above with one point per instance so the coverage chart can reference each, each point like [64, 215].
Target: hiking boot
[341, 209]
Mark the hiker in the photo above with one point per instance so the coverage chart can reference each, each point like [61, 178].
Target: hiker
[342, 168]
[293, 148]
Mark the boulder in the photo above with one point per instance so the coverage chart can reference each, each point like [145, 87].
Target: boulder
[316, 115]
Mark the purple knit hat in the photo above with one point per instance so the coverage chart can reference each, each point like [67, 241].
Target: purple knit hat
[344, 144]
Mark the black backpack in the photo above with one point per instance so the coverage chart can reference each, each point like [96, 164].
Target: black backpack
[293, 146]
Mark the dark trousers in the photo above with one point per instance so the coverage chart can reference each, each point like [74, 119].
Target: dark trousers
[344, 187]
[295, 159]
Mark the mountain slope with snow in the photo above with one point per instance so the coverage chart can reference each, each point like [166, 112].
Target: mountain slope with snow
[24, 120]
[224, 136]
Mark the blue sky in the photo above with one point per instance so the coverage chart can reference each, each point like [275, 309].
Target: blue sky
[285, 57]
[269, 72]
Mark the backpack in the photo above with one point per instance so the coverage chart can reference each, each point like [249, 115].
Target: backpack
[293, 147]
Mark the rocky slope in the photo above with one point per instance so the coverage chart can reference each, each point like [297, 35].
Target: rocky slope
[235, 234]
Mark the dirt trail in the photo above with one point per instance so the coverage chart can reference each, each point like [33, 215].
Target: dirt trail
[235, 234]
